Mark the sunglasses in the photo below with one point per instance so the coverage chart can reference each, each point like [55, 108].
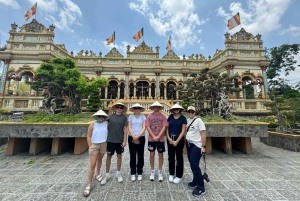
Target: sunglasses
[191, 111]
[137, 108]
[121, 108]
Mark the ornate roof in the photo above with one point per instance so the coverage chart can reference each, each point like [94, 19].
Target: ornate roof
[242, 35]
[171, 55]
[114, 53]
[34, 26]
[143, 48]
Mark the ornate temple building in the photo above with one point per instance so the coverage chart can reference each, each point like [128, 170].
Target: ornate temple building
[142, 75]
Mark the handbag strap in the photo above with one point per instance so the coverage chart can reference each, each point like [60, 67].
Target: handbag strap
[187, 130]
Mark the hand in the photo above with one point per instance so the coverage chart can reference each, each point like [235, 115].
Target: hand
[203, 150]
[156, 139]
[170, 140]
[175, 143]
[136, 141]
[123, 144]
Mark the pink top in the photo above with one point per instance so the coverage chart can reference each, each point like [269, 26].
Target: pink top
[156, 122]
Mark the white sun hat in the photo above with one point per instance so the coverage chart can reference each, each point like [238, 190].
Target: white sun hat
[100, 113]
[120, 104]
[176, 106]
[191, 108]
[137, 105]
[156, 103]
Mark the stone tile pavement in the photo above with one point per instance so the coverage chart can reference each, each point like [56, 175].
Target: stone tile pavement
[267, 174]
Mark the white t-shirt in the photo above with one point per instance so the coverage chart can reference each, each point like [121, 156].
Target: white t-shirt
[136, 124]
[194, 135]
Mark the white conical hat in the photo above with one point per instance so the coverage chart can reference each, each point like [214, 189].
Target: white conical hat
[100, 113]
[119, 103]
[137, 105]
[176, 106]
[156, 103]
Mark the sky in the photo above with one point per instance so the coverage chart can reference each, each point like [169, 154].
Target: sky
[196, 26]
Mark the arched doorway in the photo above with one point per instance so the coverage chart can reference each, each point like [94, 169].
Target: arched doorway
[142, 89]
[122, 88]
[162, 90]
[171, 90]
[131, 90]
[248, 88]
[153, 90]
[112, 90]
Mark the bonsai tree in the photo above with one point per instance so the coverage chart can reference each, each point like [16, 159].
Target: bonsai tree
[212, 88]
[62, 80]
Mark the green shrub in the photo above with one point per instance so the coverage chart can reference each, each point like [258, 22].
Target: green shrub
[44, 117]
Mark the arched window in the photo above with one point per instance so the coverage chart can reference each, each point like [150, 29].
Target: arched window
[142, 89]
[162, 90]
[153, 90]
[102, 93]
[171, 90]
[112, 92]
[248, 88]
[131, 90]
[122, 88]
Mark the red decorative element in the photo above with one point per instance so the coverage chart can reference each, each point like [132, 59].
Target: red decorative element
[157, 74]
[263, 68]
[127, 73]
[98, 73]
[185, 74]
[229, 67]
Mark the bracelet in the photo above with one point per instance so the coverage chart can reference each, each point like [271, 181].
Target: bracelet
[203, 146]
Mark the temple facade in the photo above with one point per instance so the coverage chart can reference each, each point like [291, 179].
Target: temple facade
[142, 75]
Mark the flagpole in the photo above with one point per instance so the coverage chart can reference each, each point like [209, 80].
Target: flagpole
[143, 34]
[35, 10]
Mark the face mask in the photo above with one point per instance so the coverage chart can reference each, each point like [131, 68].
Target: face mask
[100, 119]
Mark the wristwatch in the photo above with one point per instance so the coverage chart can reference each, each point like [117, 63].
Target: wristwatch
[203, 146]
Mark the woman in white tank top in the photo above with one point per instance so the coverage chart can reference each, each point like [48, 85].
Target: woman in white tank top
[96, 139]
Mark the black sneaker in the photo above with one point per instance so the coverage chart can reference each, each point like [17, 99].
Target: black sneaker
[197, 192]
[192, 185]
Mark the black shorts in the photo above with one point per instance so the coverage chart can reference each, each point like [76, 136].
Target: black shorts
[114, 147]
[159, 145]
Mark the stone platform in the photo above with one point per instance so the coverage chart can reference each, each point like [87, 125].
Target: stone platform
[268, 174]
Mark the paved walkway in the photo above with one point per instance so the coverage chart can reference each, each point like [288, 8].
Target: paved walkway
[267, 174]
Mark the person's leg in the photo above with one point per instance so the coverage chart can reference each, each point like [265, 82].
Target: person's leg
[171, 158]
[160, 160]
[119, 162]
[93, 159]
[179, 158]
[194, 161]
[99, 164]
[132, 152]
[152, 155]
[108, 162]
[140, 151]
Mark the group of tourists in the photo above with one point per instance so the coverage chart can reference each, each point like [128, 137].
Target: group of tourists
[108, 134]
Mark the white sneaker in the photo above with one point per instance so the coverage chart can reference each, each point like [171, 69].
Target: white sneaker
[152, 176]
[177, 180]
[140, 177]
[160, 176]
[133, 177]
[105, 179]
[171, 178]
[119, 177]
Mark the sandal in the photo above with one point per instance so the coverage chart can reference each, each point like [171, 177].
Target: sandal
[99, 178]
[86, 192]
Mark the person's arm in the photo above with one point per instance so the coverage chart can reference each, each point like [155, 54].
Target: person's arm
[125, 136]
[203, 139]
[89, 134]
[143, 129]
[130, 128]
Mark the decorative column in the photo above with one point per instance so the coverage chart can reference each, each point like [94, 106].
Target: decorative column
[106, 91]
[265, 86]
[4, 65]
[16, 87]
[254, 84]
[242, 90]
[134, 91]
[118, 91]
[184, 80]
[157, 85]
[229, 69]
[127, 84]
[98, 74]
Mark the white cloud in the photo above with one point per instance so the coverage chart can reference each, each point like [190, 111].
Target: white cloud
[62, 13]
[11, 3]
[295, 31]
[260, 16]
[176, 18]
[86, 41]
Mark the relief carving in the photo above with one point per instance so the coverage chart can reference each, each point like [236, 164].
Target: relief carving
[171, 55]
[114, 53]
